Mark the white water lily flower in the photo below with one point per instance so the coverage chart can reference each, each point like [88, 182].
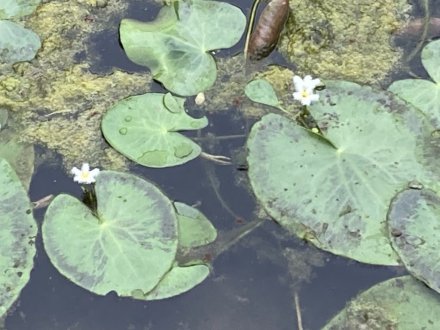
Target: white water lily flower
[304, 89]
[84, 175]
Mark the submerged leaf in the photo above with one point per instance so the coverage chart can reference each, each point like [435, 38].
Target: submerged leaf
[414, 224]
[401, 303]
[17, 44]
[129, 245]
[17, 232]
[175, 46]
[338, 198]
[145, 130]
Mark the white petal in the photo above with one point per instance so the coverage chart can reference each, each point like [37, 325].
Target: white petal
[75, 171]
[315, 82]
[306, 101]
[298, 82]
[85, 167]
[94, 173]
[297, 96]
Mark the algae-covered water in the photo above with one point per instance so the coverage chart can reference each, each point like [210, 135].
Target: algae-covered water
[267, 279]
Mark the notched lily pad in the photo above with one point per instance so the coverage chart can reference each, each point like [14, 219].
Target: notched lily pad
[414, 224]
[401, 303]
[175, 46]
[145, 130]
[129, 244]
[17, 44]
[17, 231]
[338, 197]
[424, 94]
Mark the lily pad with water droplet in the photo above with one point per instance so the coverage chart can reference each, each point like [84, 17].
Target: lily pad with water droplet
[175, 46]
[401, 303]
[414, 224]
[17, 8]
[127, 246]
[17, 234]
[17, 44]
[338, 197]
[424, 94]
[143, 129]
[261, 91]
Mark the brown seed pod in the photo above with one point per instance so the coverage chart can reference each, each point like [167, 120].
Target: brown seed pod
[265, 36]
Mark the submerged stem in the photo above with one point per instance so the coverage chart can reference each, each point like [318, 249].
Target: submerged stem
[425, 5]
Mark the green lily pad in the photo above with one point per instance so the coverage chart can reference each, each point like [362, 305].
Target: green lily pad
[338, 197]
[128, 246]
[17, 8]
[194, 228]
[414, 223]
[17, 233]
[143, 129]
[20, 155]
[175, 46]
[424, 94]
[261, 91]
[17, 44]
[177, 281]
[401, 303]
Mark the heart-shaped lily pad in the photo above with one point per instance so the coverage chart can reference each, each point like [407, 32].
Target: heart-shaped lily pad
[17, 233]
[401, 303]
[127, 246]
[17, 44]
[338, 197]
[143, 129]
[424, 94]
[174, 46]
[414, 222]
[17, 8]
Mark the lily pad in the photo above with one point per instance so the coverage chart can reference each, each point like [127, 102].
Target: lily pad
[424, 94]
[17, 44]
[261, 91]
[194, 228]
[17, 233]
[175, 46]
[177, 281]
[414, 223]
[143, 129]
[401, 303]
[337, 194]
[127, 246]
[17, 8]
[20, 155]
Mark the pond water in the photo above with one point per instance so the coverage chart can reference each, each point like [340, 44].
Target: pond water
[252, 284]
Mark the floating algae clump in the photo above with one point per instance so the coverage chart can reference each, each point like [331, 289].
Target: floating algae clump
[56, 100]
[344, 39]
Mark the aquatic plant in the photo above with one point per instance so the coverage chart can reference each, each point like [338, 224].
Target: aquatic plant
[129, 244]
[340, 183]
[18, 231]
[145, 129]
[175, 46]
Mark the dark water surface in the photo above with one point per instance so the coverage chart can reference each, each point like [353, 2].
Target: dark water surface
[250, 286]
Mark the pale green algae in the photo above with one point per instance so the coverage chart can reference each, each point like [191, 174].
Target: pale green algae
[343, 39]
[55, 99]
